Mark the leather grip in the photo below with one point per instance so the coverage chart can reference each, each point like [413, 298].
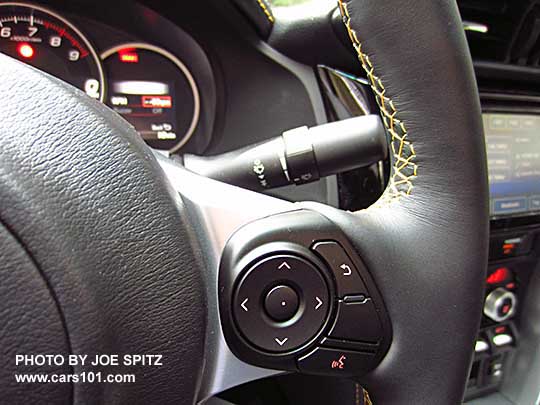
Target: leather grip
[425, 240]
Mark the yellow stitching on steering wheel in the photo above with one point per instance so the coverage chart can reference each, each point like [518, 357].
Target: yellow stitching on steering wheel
[265, 10]
[367, 399]
[404, 169]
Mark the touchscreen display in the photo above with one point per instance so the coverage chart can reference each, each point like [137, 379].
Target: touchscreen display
[513, 152]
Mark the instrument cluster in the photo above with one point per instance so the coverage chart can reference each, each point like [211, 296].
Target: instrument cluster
[151, 85]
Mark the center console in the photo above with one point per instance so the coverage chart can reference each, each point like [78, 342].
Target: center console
[512, 133]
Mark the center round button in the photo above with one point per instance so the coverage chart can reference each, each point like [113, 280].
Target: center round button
[281, 303]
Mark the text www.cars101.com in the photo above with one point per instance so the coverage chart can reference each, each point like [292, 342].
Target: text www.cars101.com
[83, 377]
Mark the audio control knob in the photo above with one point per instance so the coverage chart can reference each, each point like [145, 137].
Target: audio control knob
[500, 304]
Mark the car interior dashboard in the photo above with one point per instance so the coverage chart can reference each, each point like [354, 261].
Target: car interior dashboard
[208, 78]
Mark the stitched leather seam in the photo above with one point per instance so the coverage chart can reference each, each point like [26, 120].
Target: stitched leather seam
[367, 399]
[265, 10]
[404, 167]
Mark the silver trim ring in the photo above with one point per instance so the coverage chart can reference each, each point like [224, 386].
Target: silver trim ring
[91, 49]
[196, 97]
[495, 300]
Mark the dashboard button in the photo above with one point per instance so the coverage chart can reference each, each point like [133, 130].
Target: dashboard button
[281, 303]
[502, 339]
[481, 346]
[500, 275]
[347, 278]
[509, 246]
[335, 362]
[509, 205]
[534, 203]
[357, 321]
[495, 370]
[500, 304]
[506, 307]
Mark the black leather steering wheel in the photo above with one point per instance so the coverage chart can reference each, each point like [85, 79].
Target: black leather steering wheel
[109, 248]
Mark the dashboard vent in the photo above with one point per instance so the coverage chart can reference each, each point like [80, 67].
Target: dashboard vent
[490, 7]
[501, 17]
[507, 56]
[525, 49]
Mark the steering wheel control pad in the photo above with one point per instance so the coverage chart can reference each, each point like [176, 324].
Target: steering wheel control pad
[294, 296]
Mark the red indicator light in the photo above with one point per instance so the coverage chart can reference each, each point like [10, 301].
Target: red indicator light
[26, 51]
[508, 248]
[499, 275]
[500, 329]
[128, 56]
[511, 286]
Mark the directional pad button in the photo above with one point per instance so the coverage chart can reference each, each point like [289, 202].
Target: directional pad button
[281, 303]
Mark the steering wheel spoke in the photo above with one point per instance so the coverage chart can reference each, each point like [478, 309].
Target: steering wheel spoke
[286, 290]
[218, 210]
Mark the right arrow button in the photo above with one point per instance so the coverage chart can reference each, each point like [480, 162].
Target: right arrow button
[319, 303]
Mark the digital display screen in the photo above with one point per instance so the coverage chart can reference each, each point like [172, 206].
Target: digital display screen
[154, 91]
[513, 153]
[148, 106]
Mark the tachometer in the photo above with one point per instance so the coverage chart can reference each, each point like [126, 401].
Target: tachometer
[49, 42]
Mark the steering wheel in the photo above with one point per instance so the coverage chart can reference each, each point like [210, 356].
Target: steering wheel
[109, 248]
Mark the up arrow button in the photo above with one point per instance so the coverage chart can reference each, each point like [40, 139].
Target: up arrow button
[284, 265]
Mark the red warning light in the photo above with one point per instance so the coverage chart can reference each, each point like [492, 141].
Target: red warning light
[128, 56]
[26, 51]
[498, 276]
[509, 248]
